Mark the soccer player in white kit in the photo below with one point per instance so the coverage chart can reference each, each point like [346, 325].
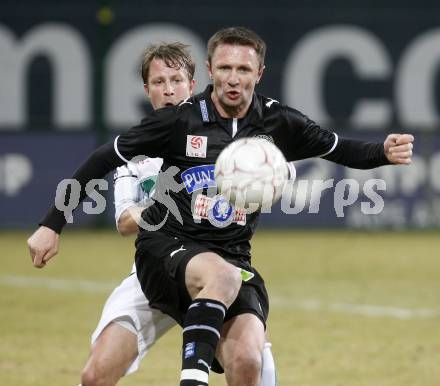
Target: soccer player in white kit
[129, 326]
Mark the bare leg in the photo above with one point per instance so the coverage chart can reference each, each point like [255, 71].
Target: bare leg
[110, 356]
[240, 350]
[209, 276]
[213, 284]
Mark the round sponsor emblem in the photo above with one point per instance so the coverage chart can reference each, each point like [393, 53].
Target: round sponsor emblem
[220, 212]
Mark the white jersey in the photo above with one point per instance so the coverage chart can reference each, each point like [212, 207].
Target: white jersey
[127, 304]
[134, 183]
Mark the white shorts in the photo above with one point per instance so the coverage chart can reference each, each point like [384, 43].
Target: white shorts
[128, 302]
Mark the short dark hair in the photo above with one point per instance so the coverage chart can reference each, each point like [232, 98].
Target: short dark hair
[237, 36]
[175, 55]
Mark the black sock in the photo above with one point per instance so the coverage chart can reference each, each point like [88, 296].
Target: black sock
[201, 333]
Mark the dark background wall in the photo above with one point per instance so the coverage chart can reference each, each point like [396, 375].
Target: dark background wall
[70, 70]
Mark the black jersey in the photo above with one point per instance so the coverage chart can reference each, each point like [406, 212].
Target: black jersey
[189, 137]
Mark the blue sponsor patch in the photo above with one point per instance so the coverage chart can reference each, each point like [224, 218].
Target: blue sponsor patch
[204, 110]
[198, 177]
[190, 350]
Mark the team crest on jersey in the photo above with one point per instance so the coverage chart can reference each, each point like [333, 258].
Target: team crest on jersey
[218, 211]
[196, 146]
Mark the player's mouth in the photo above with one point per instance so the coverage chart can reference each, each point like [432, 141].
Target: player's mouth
[233, 95]
[168, 104]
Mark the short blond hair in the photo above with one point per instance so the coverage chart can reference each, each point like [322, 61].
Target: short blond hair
[175, 55]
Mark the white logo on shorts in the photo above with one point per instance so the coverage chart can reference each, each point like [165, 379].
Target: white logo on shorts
[177, 250]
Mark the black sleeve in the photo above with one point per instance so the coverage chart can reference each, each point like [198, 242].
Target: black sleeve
[152, 137]
[358, 154]
[307, 139]
[103, 160]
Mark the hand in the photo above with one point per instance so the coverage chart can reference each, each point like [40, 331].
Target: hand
[43, 245]
[398, 148]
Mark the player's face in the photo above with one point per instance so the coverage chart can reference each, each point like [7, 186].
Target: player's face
[234, 70]
[167, 86]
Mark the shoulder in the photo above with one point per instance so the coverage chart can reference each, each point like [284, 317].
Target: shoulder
[273, 108]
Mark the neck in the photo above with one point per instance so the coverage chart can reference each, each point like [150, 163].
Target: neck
[230, 111]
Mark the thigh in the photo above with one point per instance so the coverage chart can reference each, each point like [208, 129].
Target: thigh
[208, 275]
[251, 299]
[242, 336]
[160, 261]
[113, 351]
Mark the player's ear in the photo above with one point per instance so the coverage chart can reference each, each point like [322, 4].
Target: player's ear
[260, 73]
[192, 84]
[208, 66]
[147, 91]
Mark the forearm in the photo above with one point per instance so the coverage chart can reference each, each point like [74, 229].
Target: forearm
[103, 160]
[128, 221]
[358, 154]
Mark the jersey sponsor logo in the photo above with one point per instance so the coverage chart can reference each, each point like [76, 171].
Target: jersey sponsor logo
[198, 177]
[218, 211]
[196, 146]
[204, 111]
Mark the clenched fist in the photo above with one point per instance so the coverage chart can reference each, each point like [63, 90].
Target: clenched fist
[398, 148]
[43, 245]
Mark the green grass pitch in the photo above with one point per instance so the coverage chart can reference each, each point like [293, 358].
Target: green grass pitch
[347, 308]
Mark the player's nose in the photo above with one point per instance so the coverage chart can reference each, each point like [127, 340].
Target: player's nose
[169, 90]
[233, 79]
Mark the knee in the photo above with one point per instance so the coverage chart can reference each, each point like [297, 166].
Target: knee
[246, 366]
[229, 275]
[88, 377]
[92, 376]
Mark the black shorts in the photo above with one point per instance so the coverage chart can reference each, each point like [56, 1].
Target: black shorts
[161, 261]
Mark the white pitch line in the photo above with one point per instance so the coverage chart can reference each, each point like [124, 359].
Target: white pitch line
[313, 305]
[59, 284]
[369, 310]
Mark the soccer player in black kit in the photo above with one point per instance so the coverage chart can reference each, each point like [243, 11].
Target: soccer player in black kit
[190, 267]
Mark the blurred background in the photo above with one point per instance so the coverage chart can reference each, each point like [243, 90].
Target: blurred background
[69, 81]
[354, 296]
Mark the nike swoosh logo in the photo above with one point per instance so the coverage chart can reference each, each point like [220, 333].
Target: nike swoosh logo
[177, 250]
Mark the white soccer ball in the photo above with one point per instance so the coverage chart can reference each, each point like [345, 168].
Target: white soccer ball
[251, 173]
